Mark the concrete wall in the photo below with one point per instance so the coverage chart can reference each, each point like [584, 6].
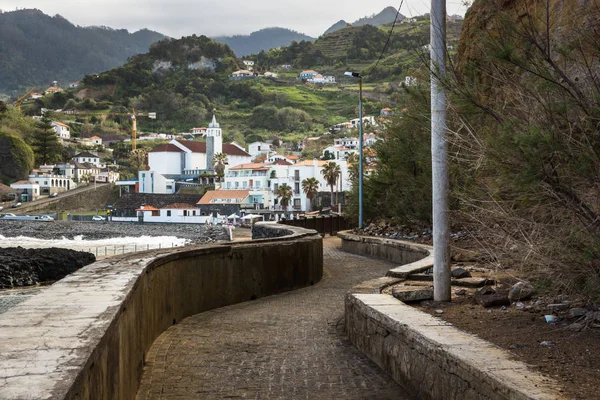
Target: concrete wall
[428, 356]
[86, 336]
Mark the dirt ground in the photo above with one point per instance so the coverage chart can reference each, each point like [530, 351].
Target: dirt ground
[572, 358]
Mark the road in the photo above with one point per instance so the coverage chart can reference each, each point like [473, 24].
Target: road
[24, 209]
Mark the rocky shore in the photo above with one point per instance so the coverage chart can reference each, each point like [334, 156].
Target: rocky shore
[196, 233]
[27, 267]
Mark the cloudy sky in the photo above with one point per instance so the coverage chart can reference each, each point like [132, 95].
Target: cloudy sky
[178, 18]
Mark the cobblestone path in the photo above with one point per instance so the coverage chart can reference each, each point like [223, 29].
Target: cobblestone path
[288, 346]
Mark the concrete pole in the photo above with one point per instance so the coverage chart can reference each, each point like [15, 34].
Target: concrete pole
[439, 158]
[360, 154]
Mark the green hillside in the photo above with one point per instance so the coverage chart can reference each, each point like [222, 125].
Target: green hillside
[36, 49]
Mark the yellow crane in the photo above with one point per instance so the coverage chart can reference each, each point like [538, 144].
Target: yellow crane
[21, 98]
[133, 115]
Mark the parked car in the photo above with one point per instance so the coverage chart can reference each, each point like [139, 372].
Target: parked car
[7, 215]
[46, 218]
[16, 205]
[98, 218]
[54, 194]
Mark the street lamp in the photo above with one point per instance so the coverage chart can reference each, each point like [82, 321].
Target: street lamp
[360, 146]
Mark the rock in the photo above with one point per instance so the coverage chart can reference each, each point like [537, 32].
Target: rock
[485, 290]
[472, 282]
[551, 318]
[412, 293]
[546, 344]
[577, 312]
[421, 277]
[491, 300]
[460, 273]
[557, 307]
[521, 291]
[520, 306]
[460, 292]
[576, 327]
[439, 312]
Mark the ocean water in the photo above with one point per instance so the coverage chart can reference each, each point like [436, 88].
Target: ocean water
[99, 247]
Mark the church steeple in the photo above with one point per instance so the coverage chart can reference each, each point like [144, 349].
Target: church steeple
[214, 123]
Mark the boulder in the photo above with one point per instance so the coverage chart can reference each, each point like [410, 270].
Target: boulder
[521, 291]
[460, 273]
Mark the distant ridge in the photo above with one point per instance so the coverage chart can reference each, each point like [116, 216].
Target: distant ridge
[264, 39]
[386, 16]
[37, 49]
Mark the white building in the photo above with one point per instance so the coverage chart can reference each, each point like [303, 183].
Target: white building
[26, 190]
[199, 131]
[177, 213]
[249, 64]
[260, 182]
[370, 120]
[308, 74]
[259, 148]
[351, 143]
[62, 131]
[340, 152]
[291, 159]
[90, 158]
[181, 159]
[97, 140]
[73, 85]
[322, 79]
[52, 183]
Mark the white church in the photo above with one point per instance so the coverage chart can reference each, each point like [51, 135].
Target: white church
[181, 160]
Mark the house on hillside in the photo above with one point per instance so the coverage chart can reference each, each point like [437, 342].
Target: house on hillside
[288, 158]
[90, 158]
[385, 112]
[199, 131]
[96, 140]
[73, 85]
[36, 95]
[249, 64]
[257, 148]
[241, 75]
[52, 90]
[63, 131]
[322, 79]
[308, 74]
[269, 74]
[286, 66]
[410, 81]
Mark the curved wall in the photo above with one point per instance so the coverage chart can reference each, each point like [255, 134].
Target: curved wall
[86, 336]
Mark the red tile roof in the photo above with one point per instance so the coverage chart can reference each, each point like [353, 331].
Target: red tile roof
[223, 194]
[166, 148]
[200, 147]
[282, 162]
[146, 208]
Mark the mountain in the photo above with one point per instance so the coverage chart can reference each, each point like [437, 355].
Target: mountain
[341, 24]
[37, 49]
[386, 16]
[265, 39]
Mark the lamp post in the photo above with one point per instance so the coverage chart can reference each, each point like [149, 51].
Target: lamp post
[360, 147]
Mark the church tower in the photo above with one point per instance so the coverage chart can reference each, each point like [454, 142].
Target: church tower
[214, 142]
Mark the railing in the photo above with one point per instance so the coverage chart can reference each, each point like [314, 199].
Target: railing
[324, 225]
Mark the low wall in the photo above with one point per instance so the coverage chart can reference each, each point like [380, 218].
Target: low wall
[411, 257]
[429, 357]
[86, 336]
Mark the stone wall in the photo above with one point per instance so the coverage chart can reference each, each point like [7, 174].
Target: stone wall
[86, 336]
[265, 230]
[429, 357]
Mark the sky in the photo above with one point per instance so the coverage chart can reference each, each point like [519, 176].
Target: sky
[178, 18]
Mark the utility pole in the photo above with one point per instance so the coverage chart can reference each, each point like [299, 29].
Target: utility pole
[439, 154]
[360, 155]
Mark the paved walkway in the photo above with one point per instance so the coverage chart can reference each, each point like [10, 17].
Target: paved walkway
[289, 346]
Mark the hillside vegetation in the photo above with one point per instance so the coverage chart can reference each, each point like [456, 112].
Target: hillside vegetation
[37, 49]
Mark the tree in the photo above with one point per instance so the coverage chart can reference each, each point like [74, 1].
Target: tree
[331, 171]
[138, 159]
[47, 149]
[219, 161]
[285, 193]
[310, 186]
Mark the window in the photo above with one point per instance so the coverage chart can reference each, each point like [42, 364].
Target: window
[297, 174]
[185, 213]
[297, 187]
[169, 187]
[143, 175]
[228, 185]
[275, 187]
[258, 148]
[237, 185]
[168, 213]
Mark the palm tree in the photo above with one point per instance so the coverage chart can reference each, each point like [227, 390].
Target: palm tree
[219, 161]
[310, 186]
[331, 171]
[285, 192]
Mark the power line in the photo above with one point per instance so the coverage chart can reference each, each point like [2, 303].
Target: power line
[389, 36]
